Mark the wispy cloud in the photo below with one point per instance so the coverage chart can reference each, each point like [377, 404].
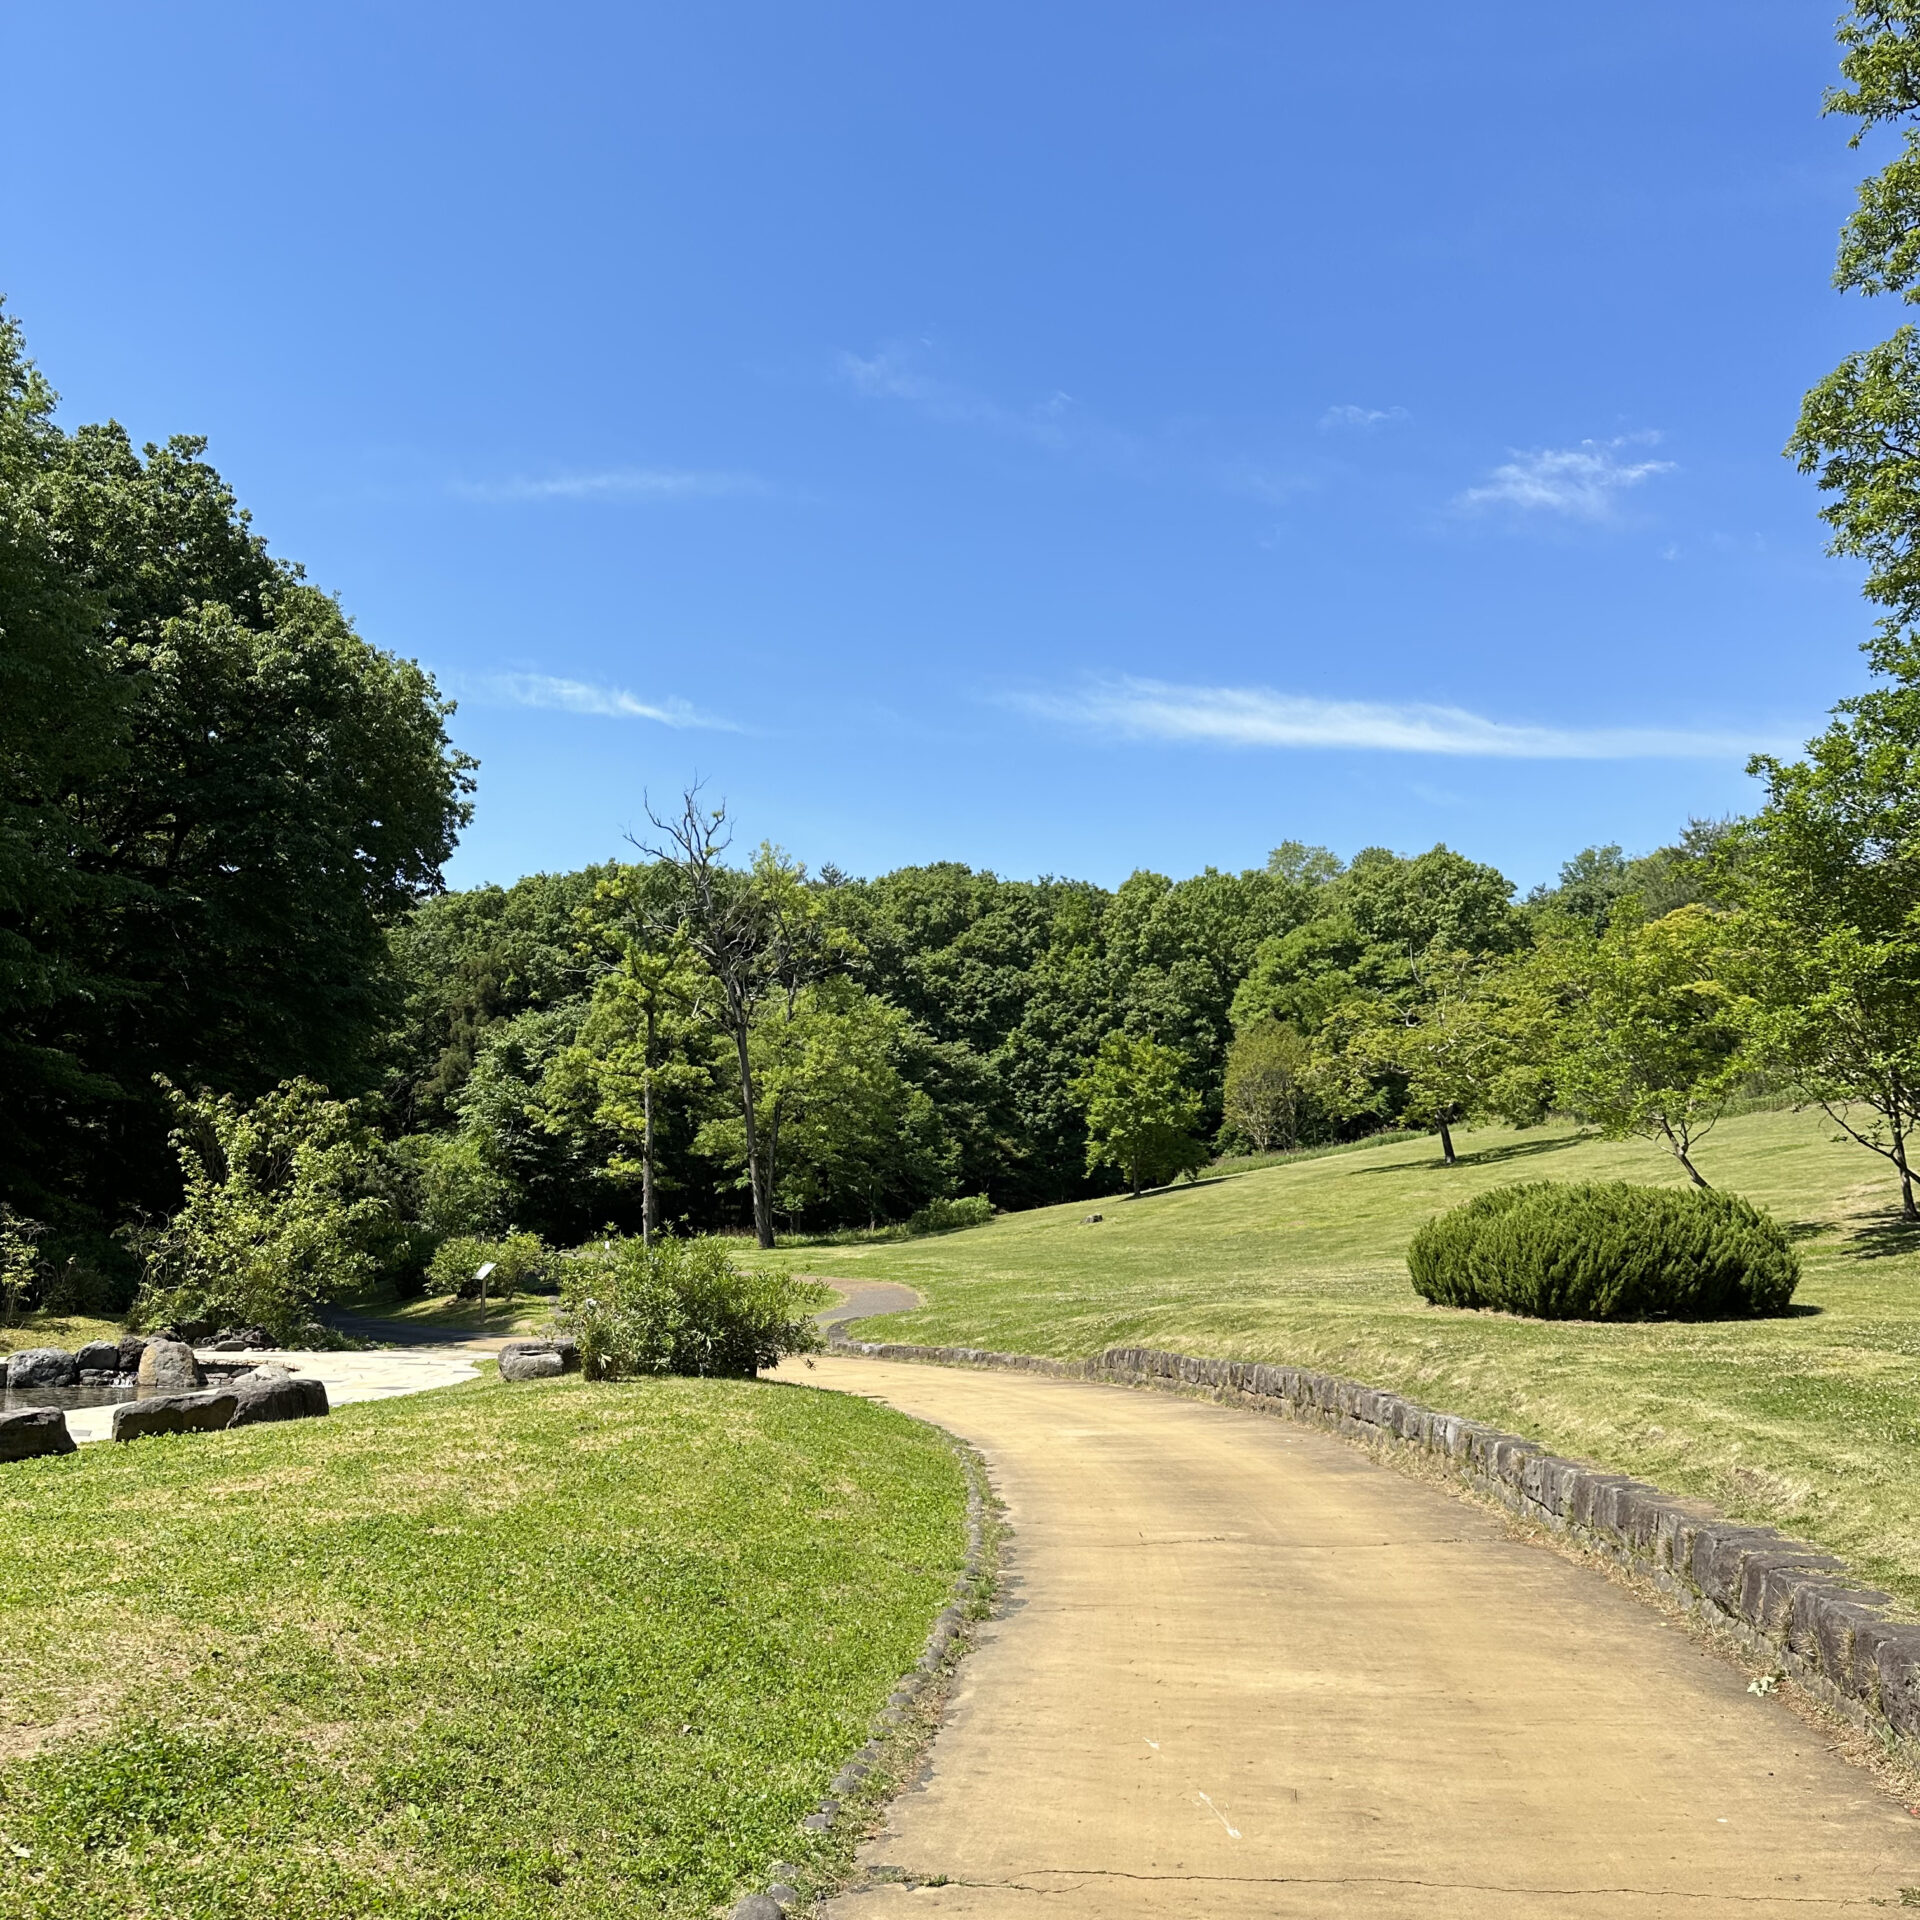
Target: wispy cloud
[584, 696]
[1056, 422]
[1260, 717]
[1362, 419]
[1583, 482]
[614, 483]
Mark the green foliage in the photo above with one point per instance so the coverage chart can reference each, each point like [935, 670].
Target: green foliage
[521, 1263]
[289, 1202]
[1266, 1097]
[456, 1189]
[1140, 1115]
[19, 1265]
[946, 1216]
[1649, 1029]
[683, 1306]
[1606, 1251]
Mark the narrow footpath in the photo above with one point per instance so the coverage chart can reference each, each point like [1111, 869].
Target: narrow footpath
[1240, 1670]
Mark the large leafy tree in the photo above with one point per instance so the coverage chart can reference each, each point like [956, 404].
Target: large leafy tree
[215, 801]
[1141, 1114]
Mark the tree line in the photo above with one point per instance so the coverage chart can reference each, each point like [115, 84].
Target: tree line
[230, 976]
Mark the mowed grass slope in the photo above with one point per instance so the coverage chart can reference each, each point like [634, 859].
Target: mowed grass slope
[551, 1649]
[1811, 1422]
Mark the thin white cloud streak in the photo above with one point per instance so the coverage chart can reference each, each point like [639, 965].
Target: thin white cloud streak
[1132, 709]
[584, 696]
[616, 483]
[1360, 418]
[1583, 482]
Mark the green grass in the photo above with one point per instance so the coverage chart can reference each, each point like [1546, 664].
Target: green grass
[545, 1650]
[69, 1330]
[1811, 1422]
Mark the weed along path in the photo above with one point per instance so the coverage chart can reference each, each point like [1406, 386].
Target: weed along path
[1239, 1669]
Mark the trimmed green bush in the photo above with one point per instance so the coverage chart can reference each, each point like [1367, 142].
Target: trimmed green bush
[943, 1216]
[1606, 1251]
[522, 1263]
[682, 1306]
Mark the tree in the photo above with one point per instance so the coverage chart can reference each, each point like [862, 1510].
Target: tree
[1650, 1045]
[1266, 1084]
[1831, 894]
[287, 1205]
[755, 933]
[1140, 1115]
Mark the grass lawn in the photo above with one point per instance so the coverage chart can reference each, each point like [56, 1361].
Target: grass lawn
[1811, 1422]
[69, 1330]
[551, 1649]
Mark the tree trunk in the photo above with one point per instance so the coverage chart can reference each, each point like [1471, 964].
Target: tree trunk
[648, 1219]
[1679, 1152]
[1446, 1145]
[762, 1213]
[1908, 1211]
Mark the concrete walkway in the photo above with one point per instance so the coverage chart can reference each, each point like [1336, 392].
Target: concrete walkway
[347, 1377]
[1243, 1671]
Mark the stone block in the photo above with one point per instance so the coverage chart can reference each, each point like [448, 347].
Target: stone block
[43, 1367]
[272, 1393]
[168, 1366]
[175, 1413]
[536, 1365]
[132, 1346]
[99, 1356]
[563, 1344]
[33, 1431]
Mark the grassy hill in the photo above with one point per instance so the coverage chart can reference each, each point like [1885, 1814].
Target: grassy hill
[1811, 1422]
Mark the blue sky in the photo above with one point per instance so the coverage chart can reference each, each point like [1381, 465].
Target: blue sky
[1061, 438]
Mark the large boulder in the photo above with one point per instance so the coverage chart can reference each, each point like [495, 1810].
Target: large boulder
[272, 1393]
[99, 1356]
[168, 1366]
[563, 1346]
[531, 1363]
[33, 1431]
[175, 1413]
[132, 1346]
[43, 1367]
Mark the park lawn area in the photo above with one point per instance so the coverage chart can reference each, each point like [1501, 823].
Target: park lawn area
[1810, 1422]
[551, 1649]
[69, 1330]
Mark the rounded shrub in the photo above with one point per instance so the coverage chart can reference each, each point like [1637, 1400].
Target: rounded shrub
[1605, 1250]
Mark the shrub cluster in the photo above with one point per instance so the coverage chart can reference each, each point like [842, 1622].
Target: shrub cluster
[682, 1306]
[943, 1216]
[1606, 1251]
[522, 1263]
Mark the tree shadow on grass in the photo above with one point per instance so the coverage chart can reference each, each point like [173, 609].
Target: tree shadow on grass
[1884, 1239]
[1487, 1156]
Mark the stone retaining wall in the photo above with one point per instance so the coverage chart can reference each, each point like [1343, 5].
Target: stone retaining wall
[1779, 1596]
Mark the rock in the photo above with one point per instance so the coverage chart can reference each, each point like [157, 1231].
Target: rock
[783, 1896]
[33, 1431]
[537, 1365]
[132, 1346]
[241, 1340]
[757, 1906]
[99, 1356]
[272, 1393]
[190, 1331]
[175, 1413]
[564, 1344]
[43, 1367]
[168, 1366]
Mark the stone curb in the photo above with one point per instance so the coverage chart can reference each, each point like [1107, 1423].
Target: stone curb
[773, 1904]
[1780, 1597]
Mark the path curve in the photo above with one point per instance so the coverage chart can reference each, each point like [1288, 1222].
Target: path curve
[1242, 1670]
[862, 1299]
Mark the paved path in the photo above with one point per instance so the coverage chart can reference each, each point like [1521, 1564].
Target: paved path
[348, 1377]
[861, 1299]
[1243, 1671]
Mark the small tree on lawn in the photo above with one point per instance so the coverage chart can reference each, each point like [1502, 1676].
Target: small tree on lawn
[1651, 1042]
[1140, 1114]
[1830, 884]
[1266, 1084]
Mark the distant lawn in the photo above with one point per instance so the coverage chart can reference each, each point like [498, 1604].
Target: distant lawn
[1810, 1422]
[548, 1650]
[69, 1330]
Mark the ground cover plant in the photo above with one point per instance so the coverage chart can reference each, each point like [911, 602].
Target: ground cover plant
[1606, 1250]
[555, 1649]
[1808, 1421]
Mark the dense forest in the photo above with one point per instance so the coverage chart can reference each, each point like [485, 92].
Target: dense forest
[253, 1054]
